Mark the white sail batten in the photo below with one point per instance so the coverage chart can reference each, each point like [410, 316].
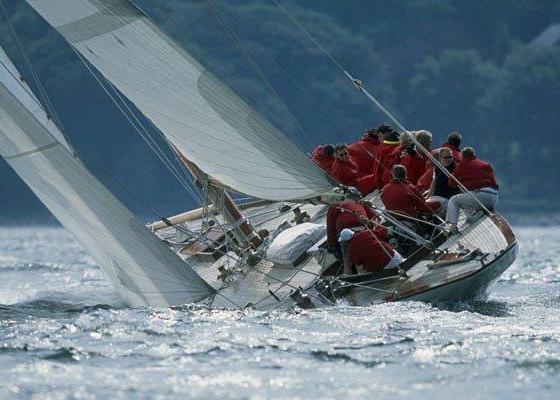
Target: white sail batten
[213, 127]
[144, 270]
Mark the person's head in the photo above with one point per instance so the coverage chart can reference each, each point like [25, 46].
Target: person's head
[424, 138]
[405, 139]
[383, 130]
[468, 152]
[371, 133]
[454, 138]
[445, 156]
[399, 173]
[328, 150]
[341, 152]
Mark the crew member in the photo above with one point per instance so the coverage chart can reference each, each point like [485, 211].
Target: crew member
[402, 198]
[344, 170]
[363, 152]
[348, 214]
[324, 156]
[440, 190]
[386, 156]
[415, 160]
[477, 177]
[367, 251]
[453, 142]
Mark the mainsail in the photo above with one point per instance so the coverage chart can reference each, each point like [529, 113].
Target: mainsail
[143, 269]
[205, 120]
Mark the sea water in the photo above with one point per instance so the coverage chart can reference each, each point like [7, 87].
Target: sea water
[65, 333]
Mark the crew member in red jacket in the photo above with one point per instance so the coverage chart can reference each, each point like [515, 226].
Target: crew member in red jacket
[324, 156]
[387, 155]
[453, 142]
[344, 170]
[363, 152]
[403, 198]
[415, 161]
[348, 214]
[367, 252]
[477, 177]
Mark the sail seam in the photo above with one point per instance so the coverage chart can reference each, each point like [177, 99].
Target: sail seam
[28, 153]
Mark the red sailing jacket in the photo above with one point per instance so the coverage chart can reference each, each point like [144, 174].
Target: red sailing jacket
[364, 152]
[346, 214]
[416, 165]
[455, 151]
[384, 151]
[366, 184]
[373, 254]
[387, 154]
[345, 172]
[323, 161]
[404, 198]
[425, 180]
[474, 174]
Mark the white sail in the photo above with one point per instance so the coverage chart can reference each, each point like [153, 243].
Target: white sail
[144, 270]
[204, 119]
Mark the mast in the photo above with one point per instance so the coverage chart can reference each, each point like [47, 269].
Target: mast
[224, 204]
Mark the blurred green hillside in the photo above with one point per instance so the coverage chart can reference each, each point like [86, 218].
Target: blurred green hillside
[441, 65]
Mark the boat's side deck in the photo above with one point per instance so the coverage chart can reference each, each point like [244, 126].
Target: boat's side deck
[266, 285]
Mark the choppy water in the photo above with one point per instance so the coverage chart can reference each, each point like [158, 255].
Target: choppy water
[64, 333]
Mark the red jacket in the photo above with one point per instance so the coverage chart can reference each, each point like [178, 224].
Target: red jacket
[416, 165]
[345, 172]
[404, 198]
[363, 152]
[384, 150]
[474, 174]
[455, 151]
[387, 155]
[425, 181]
[366, 248]
[346, 214]
[323, 161]
[366, 184]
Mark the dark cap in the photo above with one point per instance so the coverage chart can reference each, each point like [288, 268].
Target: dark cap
[384, 128]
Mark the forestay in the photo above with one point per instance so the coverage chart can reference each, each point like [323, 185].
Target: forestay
[203, 118]
[144, 270]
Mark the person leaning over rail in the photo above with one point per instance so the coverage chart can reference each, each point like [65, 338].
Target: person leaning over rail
[324, 156]
[477, 177]
[344, 170]
[367, 251]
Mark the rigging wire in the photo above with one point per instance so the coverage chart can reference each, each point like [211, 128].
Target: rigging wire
[254, 65]
[47, 104]
[362, 88]
[131, 119]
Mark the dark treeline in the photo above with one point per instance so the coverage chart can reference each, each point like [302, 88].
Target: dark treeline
[440, 65]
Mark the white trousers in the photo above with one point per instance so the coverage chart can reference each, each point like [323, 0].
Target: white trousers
[487, 196]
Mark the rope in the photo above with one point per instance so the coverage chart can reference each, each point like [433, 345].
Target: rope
[362, 88]
[258, 71]
[35, 76]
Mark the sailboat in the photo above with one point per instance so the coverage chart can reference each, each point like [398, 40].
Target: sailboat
[214, 255]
